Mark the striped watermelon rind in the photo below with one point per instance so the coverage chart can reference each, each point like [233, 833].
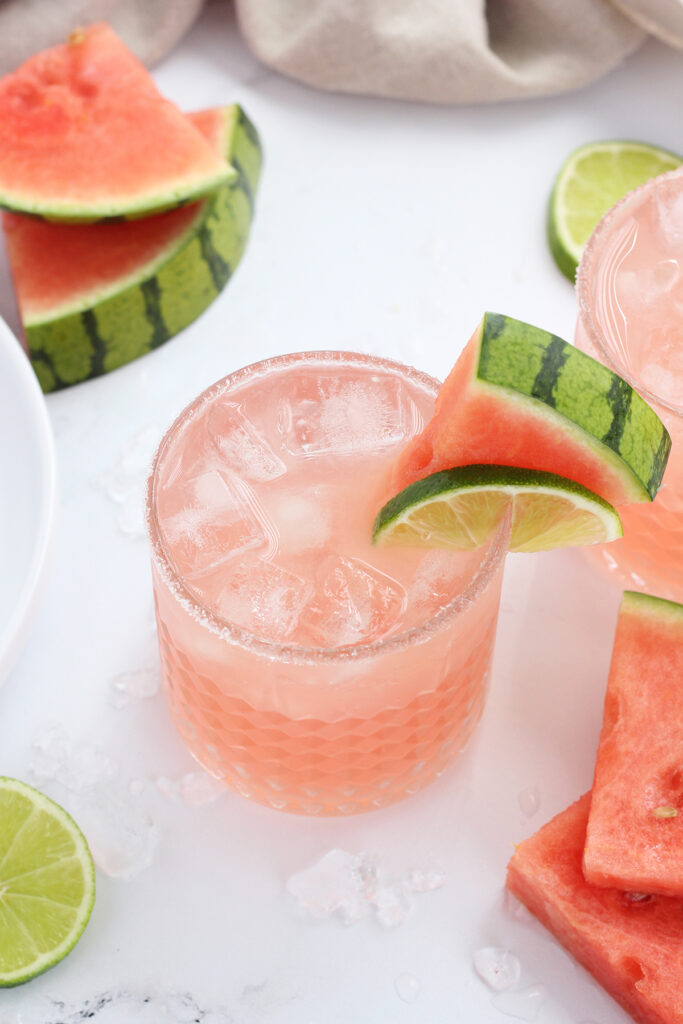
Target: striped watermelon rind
[521, 396]
[96, 333]
[613, 419]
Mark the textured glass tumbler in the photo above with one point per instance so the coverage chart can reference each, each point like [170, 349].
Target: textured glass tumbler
[645, 346]
[313, 729]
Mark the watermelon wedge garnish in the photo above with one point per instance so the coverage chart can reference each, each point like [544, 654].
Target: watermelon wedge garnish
[520, 396]
[85, 135]
[94, 296]
[635, 828]
[631, 943]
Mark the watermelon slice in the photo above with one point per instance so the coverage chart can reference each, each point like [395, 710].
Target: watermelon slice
[519, 396]
[635, 828]
[94, 296]
[632, 945]
[85, 135]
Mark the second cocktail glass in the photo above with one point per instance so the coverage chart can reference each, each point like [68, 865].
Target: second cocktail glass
[630, 294]
[308, 670]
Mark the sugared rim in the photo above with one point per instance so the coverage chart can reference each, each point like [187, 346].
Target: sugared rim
[585, 273]
[238, 636]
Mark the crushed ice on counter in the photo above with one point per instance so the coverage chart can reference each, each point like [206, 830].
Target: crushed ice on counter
[75, 767]
[498, 968]
[524, 1004]
[116, 1006]
[195, 788]
[124, 482]
[407, 987]
[426, 879]
[85, 780]
[130, 687]
[350, 886]
[529, 800]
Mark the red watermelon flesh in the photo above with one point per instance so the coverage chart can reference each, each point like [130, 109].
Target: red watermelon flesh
[632, 945]
[85, 134]
[54, 265]
[635, 828]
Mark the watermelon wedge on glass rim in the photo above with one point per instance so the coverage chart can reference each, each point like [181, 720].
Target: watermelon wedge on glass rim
[520, 396]
[525, 420]
[635, 827]
[92, 297]
[85, 135]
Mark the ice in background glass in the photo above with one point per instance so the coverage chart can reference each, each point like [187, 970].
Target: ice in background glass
[630, 294]
[306, 668]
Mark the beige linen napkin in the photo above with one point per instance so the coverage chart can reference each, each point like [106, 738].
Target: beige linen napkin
[446, 51]
[443, 51]
[663, 18]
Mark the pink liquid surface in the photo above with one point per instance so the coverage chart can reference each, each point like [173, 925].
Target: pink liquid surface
[307, 668]
[631, 297]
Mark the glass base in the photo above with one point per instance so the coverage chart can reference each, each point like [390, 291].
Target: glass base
[310, 767]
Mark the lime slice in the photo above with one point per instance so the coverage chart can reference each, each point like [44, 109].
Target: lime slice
[590, 182]
[47, 882]
[460, 508]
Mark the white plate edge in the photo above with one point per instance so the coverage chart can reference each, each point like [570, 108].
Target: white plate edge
[15, 633]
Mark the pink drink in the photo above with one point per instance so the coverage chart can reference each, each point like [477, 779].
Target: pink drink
[307, 669]
[630, 291]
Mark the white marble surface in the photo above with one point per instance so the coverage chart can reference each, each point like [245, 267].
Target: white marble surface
[389, 228]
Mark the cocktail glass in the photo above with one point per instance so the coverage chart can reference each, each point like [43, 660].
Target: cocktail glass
[630, 295]
[305, 668]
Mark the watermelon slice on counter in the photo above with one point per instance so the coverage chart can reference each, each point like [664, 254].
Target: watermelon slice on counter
[86, 135]
[95, 296]
[635, 827]
[520, 396]
[632, 944]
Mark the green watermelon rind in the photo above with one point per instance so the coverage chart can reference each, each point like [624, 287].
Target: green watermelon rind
[598, 409]
[140, 313]
[88, 300]
[636, 603]
[68, 212]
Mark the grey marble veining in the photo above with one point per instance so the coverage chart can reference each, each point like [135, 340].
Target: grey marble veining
[121, 1007]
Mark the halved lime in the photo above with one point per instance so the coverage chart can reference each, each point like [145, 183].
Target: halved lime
[47, 882]
[593, 178]
[460, 508]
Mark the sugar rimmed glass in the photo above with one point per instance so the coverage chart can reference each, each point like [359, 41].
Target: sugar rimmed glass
[300, 726]
[642, 341]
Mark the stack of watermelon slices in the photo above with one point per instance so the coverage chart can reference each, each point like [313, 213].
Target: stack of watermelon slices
[606, 875]
[125, 218]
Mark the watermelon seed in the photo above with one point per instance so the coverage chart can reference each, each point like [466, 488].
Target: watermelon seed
[665, 812]
[637, 897]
